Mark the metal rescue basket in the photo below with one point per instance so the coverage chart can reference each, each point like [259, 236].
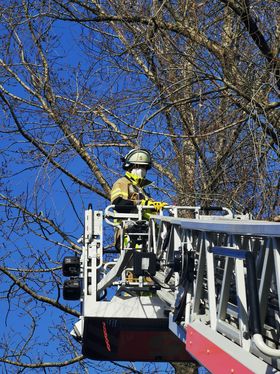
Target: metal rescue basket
[204, 288]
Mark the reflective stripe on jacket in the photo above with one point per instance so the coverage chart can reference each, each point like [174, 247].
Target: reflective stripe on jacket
[131, 188]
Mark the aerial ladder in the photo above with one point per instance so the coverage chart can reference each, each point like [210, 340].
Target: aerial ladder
[205, 288]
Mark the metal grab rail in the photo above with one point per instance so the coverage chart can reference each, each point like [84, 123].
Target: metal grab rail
[197, 209]
[253, 297]
[264, 348]
[109, 212]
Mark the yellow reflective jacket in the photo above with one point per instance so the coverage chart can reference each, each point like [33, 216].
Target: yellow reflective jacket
[130, 187]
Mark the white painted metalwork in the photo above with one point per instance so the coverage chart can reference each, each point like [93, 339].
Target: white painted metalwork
[220, 297]
[202, 277]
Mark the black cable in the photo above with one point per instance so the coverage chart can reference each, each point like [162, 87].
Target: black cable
[169, 287]
[157, 282]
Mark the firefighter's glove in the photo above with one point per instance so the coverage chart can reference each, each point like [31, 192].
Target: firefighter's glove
[146, 202]
[158, 205]
[155, 205]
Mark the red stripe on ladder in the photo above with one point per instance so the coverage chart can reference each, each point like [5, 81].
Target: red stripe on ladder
[211, 356]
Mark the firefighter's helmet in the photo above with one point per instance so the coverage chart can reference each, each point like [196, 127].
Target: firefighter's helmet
[137, 157]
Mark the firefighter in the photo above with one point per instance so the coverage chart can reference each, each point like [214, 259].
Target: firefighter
[129, 191]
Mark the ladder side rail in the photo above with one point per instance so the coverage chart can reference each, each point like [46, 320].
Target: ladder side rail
[176, 246]
[210, 281]
[170, 245]
[228, 226]
[188, 247]
[265, 279]
[199, 275]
